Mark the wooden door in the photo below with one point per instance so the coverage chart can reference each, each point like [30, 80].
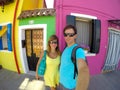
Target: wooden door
[34, 45]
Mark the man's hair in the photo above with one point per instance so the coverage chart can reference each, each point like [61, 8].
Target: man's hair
[70, 27]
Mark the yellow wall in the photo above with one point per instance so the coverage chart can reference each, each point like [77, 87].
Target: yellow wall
[40, 3]
[7, 58]
[32, 4]
[7, 15]
[0, 62]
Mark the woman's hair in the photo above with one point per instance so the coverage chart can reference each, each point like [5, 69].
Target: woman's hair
[70, 27]
[53, 37]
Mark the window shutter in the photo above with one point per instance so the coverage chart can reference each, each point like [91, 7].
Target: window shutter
[70, 20]
[1, 46]
[0, 27]
[96, 31]
[9, 26]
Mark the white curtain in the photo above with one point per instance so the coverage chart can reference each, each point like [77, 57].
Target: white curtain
[113, 53]
[83, 32]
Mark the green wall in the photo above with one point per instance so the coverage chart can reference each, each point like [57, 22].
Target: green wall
[49, 20]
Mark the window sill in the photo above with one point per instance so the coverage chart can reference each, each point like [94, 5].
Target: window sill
[90, 54]
[5, 51]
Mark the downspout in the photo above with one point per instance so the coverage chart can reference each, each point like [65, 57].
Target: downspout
[13, 36]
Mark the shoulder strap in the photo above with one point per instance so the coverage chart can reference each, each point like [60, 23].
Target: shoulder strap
[73, 58]
[44, 55]
[45, 52]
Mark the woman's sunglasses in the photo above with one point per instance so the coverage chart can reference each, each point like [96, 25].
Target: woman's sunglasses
[53, 42]
[69, 34]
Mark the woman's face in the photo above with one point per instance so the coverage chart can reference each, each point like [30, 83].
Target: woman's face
[53, 44]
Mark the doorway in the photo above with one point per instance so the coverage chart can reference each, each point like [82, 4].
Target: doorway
[34, 45]
[32, 39]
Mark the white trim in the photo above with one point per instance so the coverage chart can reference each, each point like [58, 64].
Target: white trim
[4, 24]
[90, 54]
[49, 3]
[22, 37]
[114, 29]
[83, 16]
[5, 51]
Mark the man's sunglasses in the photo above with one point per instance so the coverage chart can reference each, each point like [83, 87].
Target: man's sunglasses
[53, 42]
[69, 34]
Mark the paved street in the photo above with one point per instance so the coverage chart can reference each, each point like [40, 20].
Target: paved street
[10, 80]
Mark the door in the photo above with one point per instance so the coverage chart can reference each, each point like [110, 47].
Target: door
[34, 45]
[113, 53]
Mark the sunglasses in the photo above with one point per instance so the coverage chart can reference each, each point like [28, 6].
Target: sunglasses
[53, 42]
[69, 34]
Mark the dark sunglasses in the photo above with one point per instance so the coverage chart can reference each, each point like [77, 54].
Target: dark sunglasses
[53, 42]
[69, 34]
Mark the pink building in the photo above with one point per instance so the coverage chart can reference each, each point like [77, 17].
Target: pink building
[95, 19]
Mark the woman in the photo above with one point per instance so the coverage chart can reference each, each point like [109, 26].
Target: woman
[51, 75]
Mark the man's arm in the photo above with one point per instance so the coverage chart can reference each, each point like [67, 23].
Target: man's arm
[83, 75]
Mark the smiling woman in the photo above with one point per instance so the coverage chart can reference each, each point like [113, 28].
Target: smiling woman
[52, 59]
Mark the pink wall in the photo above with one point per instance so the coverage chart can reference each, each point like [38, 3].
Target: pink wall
[103, 10]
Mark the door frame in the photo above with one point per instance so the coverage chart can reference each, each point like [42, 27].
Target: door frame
[21, 37]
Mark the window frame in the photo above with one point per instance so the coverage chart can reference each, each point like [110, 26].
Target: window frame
[85, 17]
[7, 26]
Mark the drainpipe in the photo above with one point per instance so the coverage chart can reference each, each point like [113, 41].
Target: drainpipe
[13, 36]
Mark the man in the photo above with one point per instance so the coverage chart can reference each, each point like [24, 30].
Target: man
[67, 82]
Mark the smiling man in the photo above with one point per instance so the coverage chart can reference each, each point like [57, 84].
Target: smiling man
[67, 80]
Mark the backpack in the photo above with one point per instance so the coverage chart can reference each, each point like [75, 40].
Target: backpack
[73, 58]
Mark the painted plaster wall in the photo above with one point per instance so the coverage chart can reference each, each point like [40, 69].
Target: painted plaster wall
[32, 4]
[49, 20]
[4, 16]
[0, 62]
[7, 59]
[40, 4]
[103, 10]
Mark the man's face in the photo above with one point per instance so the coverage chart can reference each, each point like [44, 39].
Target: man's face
[70, 36]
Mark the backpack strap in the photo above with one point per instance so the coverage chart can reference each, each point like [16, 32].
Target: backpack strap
[73, 58]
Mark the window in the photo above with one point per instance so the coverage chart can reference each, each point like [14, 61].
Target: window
[5, 37]
[84, 31]
[4, 41]
[88, 31]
